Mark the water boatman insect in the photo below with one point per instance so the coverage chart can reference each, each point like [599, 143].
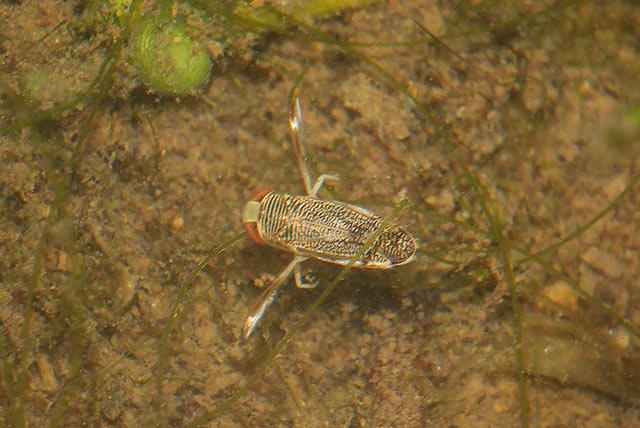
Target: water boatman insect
[310, 227]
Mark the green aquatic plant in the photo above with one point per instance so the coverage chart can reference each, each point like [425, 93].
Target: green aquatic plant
[625, 132]
[168, 58]
[121, 9]
[304, 10]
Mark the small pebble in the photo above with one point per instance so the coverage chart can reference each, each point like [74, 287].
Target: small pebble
[48, 376]
[561, 294]
[177, 223]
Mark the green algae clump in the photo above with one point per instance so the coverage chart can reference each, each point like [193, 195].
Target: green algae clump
[169, 60]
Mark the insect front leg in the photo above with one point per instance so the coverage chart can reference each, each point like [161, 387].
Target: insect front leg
[320, 182]
[300, 282]
[268, 296]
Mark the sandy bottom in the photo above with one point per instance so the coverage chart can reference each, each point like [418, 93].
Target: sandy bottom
[502, 149]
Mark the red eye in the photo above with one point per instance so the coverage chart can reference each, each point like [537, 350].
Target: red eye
[252, 231]
[251, 214]
[261, 194]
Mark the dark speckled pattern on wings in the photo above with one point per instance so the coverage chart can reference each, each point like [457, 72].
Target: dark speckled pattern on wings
[331, 231]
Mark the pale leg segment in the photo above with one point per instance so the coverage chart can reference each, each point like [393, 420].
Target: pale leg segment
[296, 131]
[320, 182]
[269, 295]
[300, 283]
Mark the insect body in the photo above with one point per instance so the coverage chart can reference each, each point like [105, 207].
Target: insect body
[330, 231]
[309, 227]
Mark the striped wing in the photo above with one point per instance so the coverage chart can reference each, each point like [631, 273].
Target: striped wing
[333, 231]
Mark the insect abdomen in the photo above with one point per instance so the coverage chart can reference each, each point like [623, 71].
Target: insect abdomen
[331, 231]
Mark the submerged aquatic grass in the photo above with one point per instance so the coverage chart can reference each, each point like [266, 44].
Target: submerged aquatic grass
[18, 379]
[489, 225]
[492, 256]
